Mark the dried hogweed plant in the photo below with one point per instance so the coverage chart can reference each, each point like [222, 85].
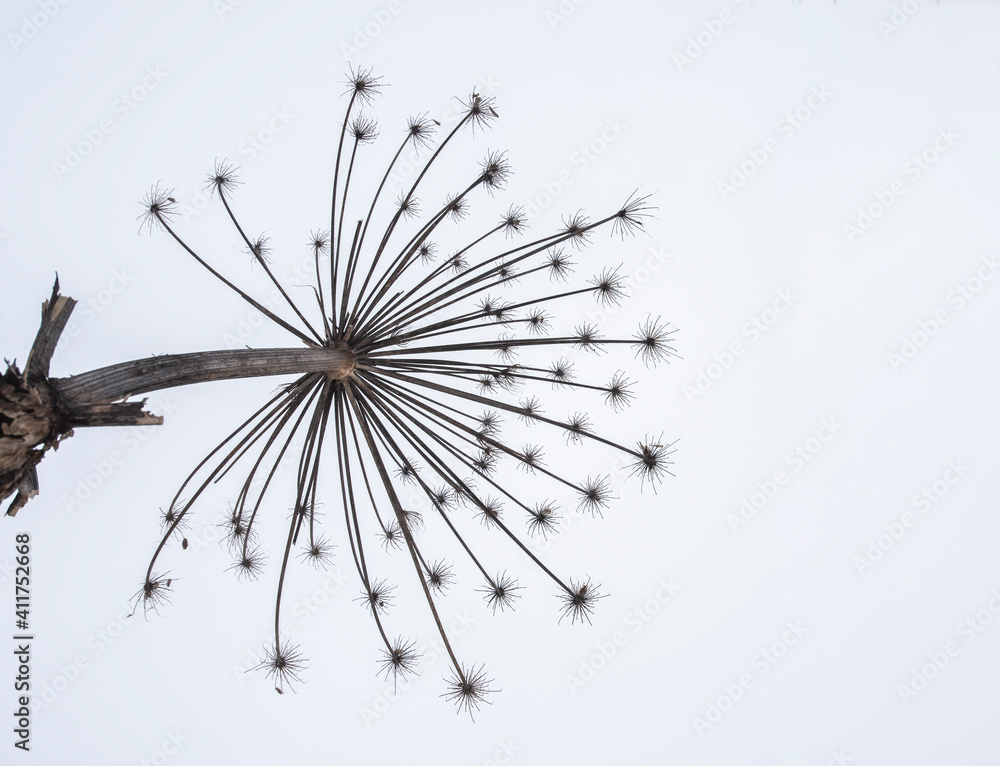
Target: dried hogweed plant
[409, 364]
[426, 365]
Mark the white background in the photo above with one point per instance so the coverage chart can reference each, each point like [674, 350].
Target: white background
[695, 90]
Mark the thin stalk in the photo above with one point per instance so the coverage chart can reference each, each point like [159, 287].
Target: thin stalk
[263, 263]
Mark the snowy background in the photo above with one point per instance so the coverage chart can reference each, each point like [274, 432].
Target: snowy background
[818, 584]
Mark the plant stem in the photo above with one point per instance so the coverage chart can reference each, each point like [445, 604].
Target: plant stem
[119, 381]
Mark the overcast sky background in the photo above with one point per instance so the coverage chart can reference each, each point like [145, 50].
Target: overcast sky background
[825, 241]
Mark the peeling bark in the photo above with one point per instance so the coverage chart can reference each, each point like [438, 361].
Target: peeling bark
[29, 426]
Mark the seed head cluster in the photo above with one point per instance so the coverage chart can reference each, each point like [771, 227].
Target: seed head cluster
[433, 337]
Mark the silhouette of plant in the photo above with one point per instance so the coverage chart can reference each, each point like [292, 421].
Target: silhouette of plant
[409, 363]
